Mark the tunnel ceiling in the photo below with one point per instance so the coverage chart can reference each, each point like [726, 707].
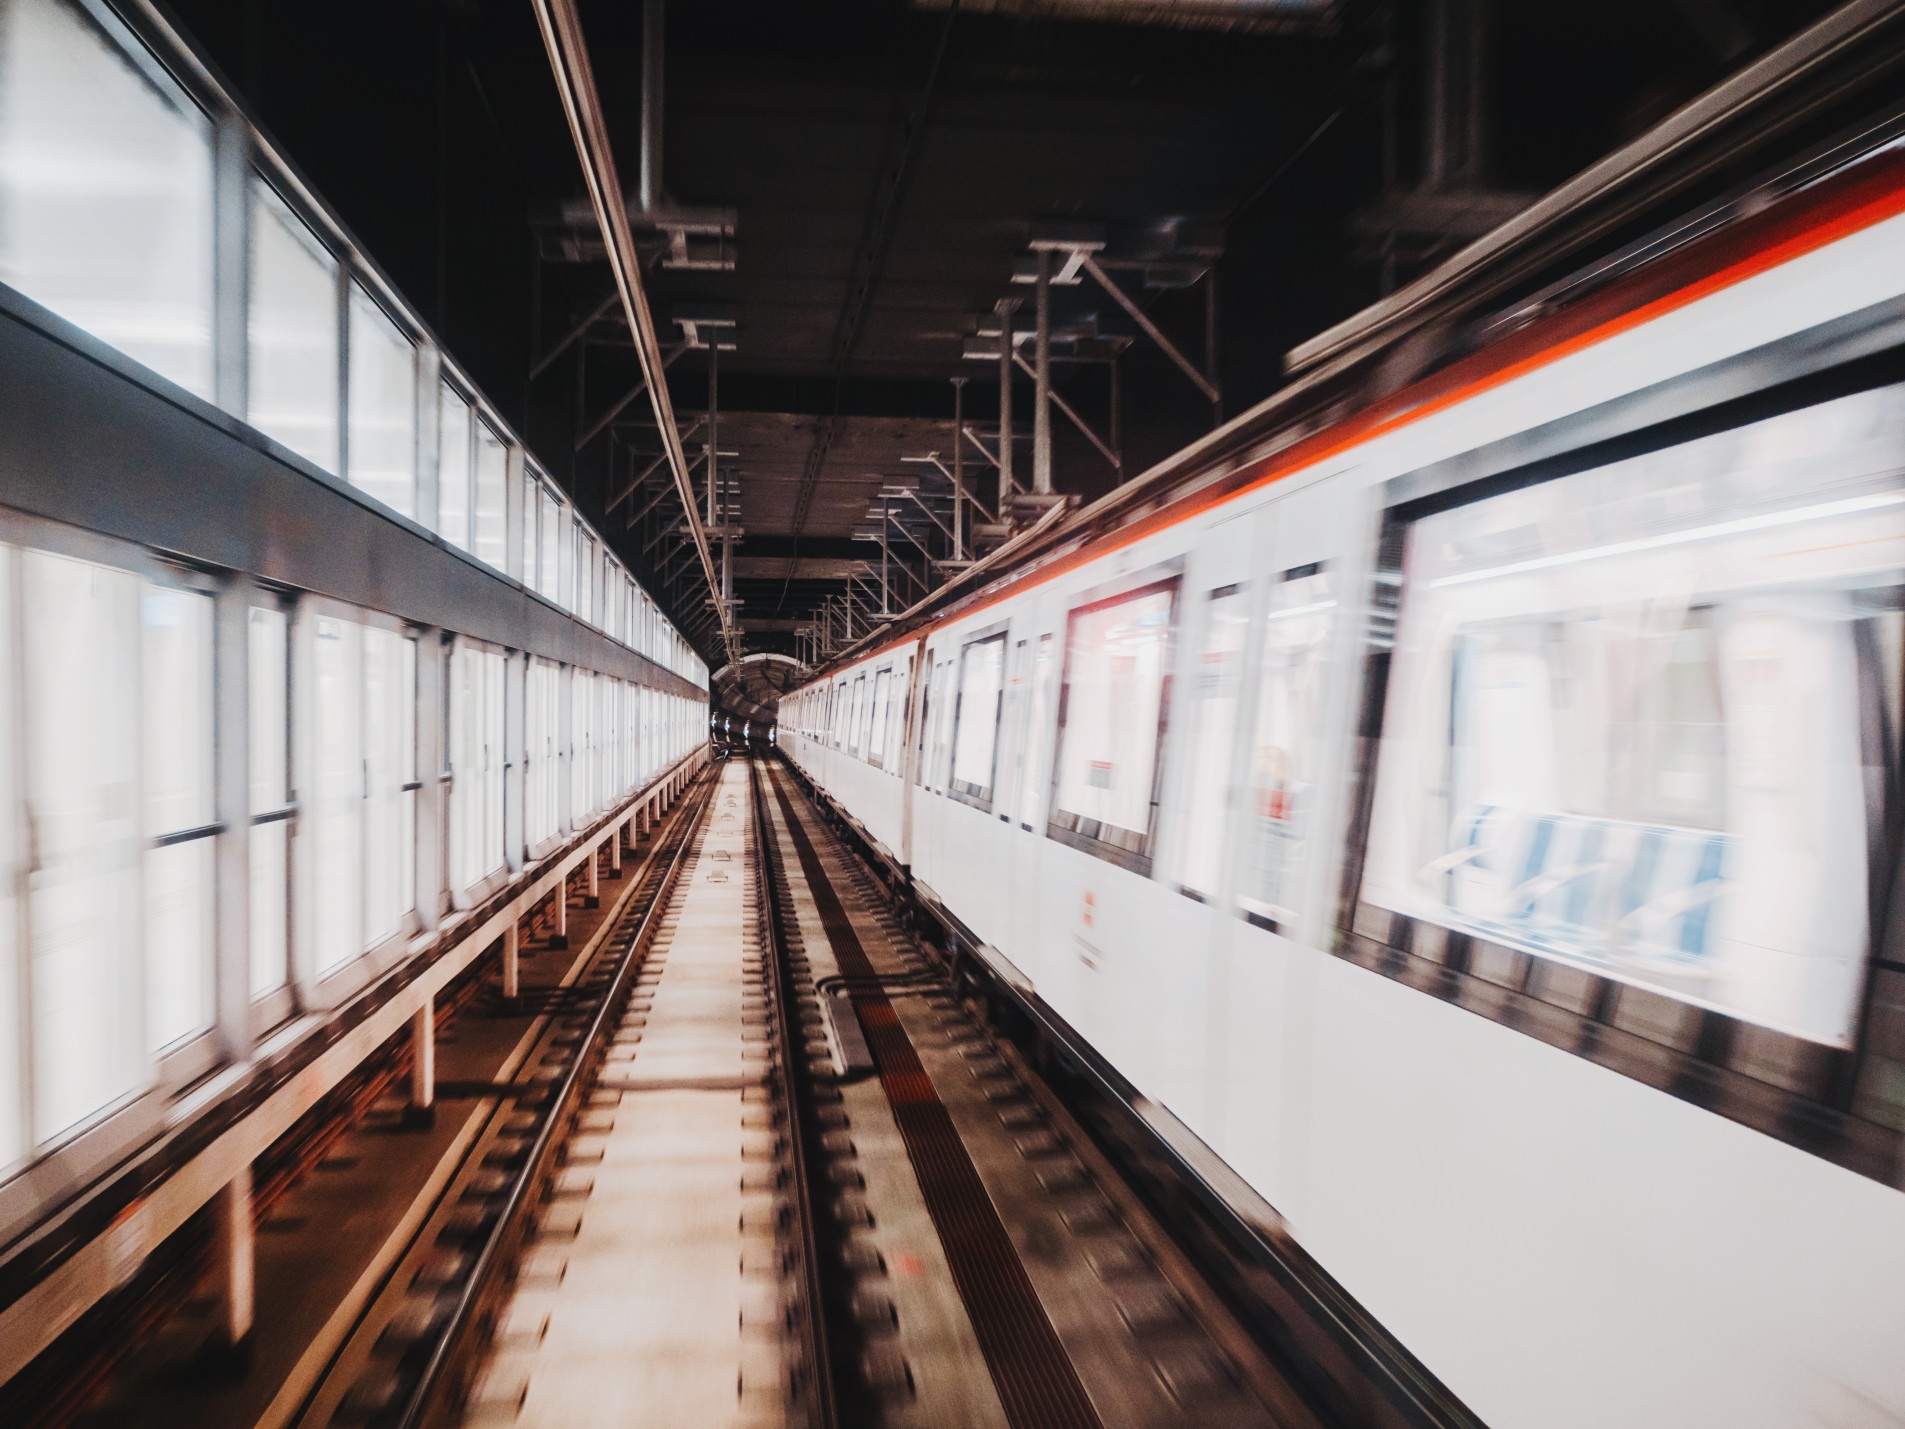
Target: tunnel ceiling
[848, 190]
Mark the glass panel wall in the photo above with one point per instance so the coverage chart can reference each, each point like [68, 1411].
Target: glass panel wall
[105, 191]
[390, 746]
[176, 668]
[292, 332]
[454, 461]
[330, 814]
[492, 466]
[382, 455]
[476, 765]
[269, 728]
[82, 913]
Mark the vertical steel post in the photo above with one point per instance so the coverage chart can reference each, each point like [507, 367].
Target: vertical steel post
[423, 1065]
[654, 17]
[714, 419]
[595, 878]
[234, 1258]
[512, 961]
[959, 468]
[1006, 308]
[1210, 343]
[886, 519]
[1042, 379]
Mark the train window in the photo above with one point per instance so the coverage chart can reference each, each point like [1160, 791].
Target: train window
[1215, 686]
[1032, 762]
[975, 740]
[1012, 730]
[291, 383]
[1112, 706]
[926, 714]
[106, 189]
[896, 736]
[856, 724]
[1286, 745]
[1642, 719]
[268, 659]
[882, 701]
[941, 752]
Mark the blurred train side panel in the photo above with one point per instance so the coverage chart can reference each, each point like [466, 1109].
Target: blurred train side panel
[1478, 823]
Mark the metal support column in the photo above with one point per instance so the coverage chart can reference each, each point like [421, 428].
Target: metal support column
[1210, 341]
[422, 1110]
[512, 963]
[1006, 308]
[654, 21]
[959, 469]
[1042, 379]
[714, 421]
[886, 586]
[234, 1258]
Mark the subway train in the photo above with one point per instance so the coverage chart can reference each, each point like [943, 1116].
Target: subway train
[1471, 812]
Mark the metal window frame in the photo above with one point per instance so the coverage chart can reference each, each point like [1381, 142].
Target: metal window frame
[1131, 849]
[153, 45]
[979, 796]
[1247, 589]
[1284, 926]
[1041, 645]
[1820, 1099]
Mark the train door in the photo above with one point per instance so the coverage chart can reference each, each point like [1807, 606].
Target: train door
[1311, 554]
[1189, 931]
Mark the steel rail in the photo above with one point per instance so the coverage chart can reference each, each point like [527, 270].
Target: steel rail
[575, 82]
[816, 1387]
[436, 1396]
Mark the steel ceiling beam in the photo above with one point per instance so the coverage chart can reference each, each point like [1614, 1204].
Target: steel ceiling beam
[603, 422]
[574, 335]
[575, 83]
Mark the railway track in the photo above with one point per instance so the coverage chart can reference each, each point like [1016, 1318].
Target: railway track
[413, 1353]
[763, 1167]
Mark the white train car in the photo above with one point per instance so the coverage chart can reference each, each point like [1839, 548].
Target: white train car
[1477, 822]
